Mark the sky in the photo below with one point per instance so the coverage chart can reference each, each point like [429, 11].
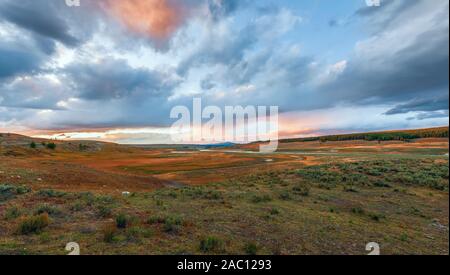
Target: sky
[112, 70]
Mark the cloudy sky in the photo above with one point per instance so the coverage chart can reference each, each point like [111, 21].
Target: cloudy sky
[113, 69]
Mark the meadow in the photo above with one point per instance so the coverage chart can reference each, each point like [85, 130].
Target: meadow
[309, 197]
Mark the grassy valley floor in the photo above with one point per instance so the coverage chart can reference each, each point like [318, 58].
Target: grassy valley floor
[308, 198]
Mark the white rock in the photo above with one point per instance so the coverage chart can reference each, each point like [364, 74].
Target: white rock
[126, 193]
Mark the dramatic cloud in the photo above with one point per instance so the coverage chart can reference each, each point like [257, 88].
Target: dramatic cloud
[396, 64]
[421, 105]
[115, 79]
[42, 92]
[156, 18]
[430, 115]
[125, 64]
[40, 17]
[16, 60]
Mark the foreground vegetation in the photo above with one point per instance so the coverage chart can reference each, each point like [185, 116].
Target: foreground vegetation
[333, 208]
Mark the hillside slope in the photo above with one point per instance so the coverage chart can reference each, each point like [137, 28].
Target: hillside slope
[20, 145]
[405, 135]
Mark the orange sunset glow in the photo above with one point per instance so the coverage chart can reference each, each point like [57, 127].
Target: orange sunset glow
[156, 18]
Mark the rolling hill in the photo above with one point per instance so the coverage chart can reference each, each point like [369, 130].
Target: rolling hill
[405, 135]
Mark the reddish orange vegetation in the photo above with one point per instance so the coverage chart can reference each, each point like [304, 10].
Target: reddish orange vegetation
[49, 173]
[362, 144]
[190, 168]
[113, 168]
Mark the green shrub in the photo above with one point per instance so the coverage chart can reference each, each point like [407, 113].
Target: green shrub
[381, 184]
[45, 237]
[82, 147]
[104, 211]
[12, 213]
[156, 220]
[87, 197]
[49, 209]
[109, 233]
[260, 199]
[33, 224]
[122, 221]
[302, 190]
[20, 190]
[8, 192]
[376, 217]
[172, 225]
[133, 234]
[358, 210]
[33, 145]
[201, 193]
[404, 237]
[104, 199]
[78, 206]
[274, 211]
[211, 244]
[51, 146]
[50, 193]
[350, 189]
[147, 233]
[285, 195]
[251, 249]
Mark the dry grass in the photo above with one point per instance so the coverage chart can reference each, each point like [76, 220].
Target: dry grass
[311, 198]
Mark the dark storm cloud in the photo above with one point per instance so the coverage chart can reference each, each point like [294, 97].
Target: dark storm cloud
[40, 17]
[430, 115]
[15, 60]
[421, 105]
[115, 79]
[417, 71]
[45, 45]
[409, 60]
[39, 25]
[51, 21]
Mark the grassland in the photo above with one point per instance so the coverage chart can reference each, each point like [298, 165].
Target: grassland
[310, 197]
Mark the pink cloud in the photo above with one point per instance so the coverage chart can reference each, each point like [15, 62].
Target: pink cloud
[157, 19]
